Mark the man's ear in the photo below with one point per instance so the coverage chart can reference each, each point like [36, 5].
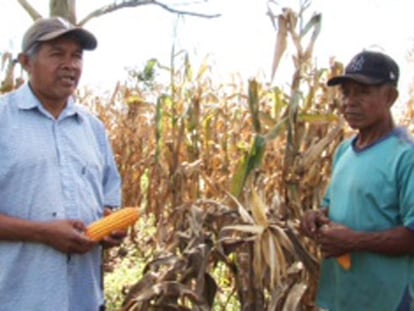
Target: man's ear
[24, 61]
[392, 95]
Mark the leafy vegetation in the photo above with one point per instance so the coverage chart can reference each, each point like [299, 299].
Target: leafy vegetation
[222, 173]
[226, 171]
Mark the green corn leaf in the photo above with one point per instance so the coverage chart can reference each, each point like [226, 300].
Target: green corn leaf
[254, 104]
[250, 162]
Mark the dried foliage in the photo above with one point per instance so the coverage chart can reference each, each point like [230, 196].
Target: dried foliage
[226, 171]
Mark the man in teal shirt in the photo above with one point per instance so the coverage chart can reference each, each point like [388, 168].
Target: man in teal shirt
[368, 210]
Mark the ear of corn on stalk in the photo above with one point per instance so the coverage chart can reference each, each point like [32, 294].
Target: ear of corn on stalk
[344, 261]
[119, 220]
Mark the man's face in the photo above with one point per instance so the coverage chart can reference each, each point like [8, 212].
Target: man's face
[366, 106]
[56, 69]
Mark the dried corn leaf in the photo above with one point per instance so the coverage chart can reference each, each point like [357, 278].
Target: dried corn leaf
[314, 22]
[308, 260]
[281, 259]
[315, 19]
[270, 258]
[6, 58]
[244, 214]
[283, 238]
[315, 150]
[148, 280]
[292, 20]
[258, 208]
[173, 290]
[276, 295]
[318, 118]
[203, 70]
[254, 229]
[258, 261]
[280, 44]
[155, 264]
[294, 297]
[275, 131]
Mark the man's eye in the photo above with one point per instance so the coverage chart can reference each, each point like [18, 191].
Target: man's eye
[56, 53]
[345, 93]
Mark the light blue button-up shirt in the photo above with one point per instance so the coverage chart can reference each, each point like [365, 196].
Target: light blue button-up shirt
[52, 170]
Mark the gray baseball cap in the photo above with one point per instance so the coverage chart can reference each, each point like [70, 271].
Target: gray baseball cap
[46, 29]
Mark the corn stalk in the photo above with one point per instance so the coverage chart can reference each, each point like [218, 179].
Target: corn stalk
[226, 171]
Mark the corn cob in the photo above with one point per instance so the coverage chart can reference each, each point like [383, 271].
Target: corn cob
[344, 261]
[119, 220]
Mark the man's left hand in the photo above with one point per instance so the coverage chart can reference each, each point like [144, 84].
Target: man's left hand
[116, 237]
[335, 239]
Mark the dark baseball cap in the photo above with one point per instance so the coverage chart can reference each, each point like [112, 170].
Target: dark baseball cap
[370, 68]
[46, 29]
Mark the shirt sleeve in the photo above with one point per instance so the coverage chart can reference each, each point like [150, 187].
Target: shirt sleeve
[405, 173]
[338, 152]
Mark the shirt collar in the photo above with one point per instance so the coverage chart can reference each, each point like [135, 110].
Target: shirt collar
[30, 101]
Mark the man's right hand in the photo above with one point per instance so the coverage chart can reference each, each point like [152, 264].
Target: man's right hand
[66, 236]
[312, 221]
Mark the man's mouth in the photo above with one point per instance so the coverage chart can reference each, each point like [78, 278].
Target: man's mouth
[68, 79]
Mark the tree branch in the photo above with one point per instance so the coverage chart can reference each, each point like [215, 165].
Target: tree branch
[134, 3]
[29, 9]
[169, 9]
[112, 7]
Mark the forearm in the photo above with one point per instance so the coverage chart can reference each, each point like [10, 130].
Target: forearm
[14, 229]
[395, 242]
[66, 236]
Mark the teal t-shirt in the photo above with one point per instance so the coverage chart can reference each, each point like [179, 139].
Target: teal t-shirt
[371, 190]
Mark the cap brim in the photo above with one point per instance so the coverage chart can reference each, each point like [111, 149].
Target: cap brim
[86, 39]
[354, 77]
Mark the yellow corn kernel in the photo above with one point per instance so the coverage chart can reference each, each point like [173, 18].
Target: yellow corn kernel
[344, 261]
[119, 220]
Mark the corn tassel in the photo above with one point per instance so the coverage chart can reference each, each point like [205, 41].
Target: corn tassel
[119, 220]
[344, 261]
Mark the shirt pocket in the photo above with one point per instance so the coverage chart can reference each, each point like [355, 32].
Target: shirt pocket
[90, 192]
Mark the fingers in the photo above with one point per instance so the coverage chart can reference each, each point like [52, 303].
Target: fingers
[78, 225]
[107, 211]
[81, 244]
[311, 223]
[77, 241]
[333, 240]
[322, 219]
[307, 224]
[115, 239]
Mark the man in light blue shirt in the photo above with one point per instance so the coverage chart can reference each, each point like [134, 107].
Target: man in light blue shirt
[368, 210]
[57, 175]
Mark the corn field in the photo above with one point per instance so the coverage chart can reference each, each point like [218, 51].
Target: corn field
[227, 171]
[222, 173]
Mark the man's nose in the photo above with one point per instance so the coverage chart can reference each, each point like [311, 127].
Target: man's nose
[350, 99]
[72, 62]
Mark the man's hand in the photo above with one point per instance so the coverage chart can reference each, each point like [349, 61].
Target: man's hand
[116, 237]
[311, 222]
[336, 240]
[66, 236]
